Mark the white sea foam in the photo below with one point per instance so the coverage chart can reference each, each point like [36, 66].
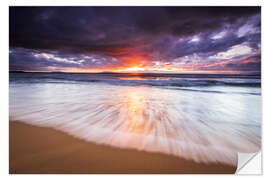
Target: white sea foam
[200, 126]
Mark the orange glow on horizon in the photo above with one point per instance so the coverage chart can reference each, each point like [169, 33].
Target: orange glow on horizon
[139, 70]
[153, 71]
[136, 65]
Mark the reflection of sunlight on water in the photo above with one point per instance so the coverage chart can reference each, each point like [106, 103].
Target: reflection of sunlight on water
[134, 109]
[205, 127]
[132, 78]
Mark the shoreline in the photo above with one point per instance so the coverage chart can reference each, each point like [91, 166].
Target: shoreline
[41, 150]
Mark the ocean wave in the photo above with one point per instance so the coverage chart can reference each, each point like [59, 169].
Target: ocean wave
[146, 81]
[215, 91]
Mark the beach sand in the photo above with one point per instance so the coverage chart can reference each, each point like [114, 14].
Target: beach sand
[39, 150]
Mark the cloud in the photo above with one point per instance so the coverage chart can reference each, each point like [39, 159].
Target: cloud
[52, 57]
[234, 51]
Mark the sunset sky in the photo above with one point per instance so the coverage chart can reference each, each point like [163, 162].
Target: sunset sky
[135, 39]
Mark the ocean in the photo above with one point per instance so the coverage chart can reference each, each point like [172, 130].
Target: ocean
[201, 117]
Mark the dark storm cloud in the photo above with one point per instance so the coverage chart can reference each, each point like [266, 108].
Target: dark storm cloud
[156, 33]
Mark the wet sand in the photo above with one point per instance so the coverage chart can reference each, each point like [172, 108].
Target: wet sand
[38, 150]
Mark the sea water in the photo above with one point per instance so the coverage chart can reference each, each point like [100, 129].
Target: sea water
[201, 117]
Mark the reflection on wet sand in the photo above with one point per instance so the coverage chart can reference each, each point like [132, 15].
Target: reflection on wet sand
[188, 125]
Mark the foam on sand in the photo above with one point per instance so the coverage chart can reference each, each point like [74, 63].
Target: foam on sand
[204, 127]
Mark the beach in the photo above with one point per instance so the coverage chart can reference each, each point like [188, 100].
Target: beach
[39, 150]
[126, 123]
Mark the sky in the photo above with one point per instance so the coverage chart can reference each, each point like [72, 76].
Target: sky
[135, 39]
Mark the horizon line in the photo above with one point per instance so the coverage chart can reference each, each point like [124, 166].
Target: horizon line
[139, 72]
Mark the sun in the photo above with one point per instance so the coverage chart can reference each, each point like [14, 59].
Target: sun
[134, 69]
